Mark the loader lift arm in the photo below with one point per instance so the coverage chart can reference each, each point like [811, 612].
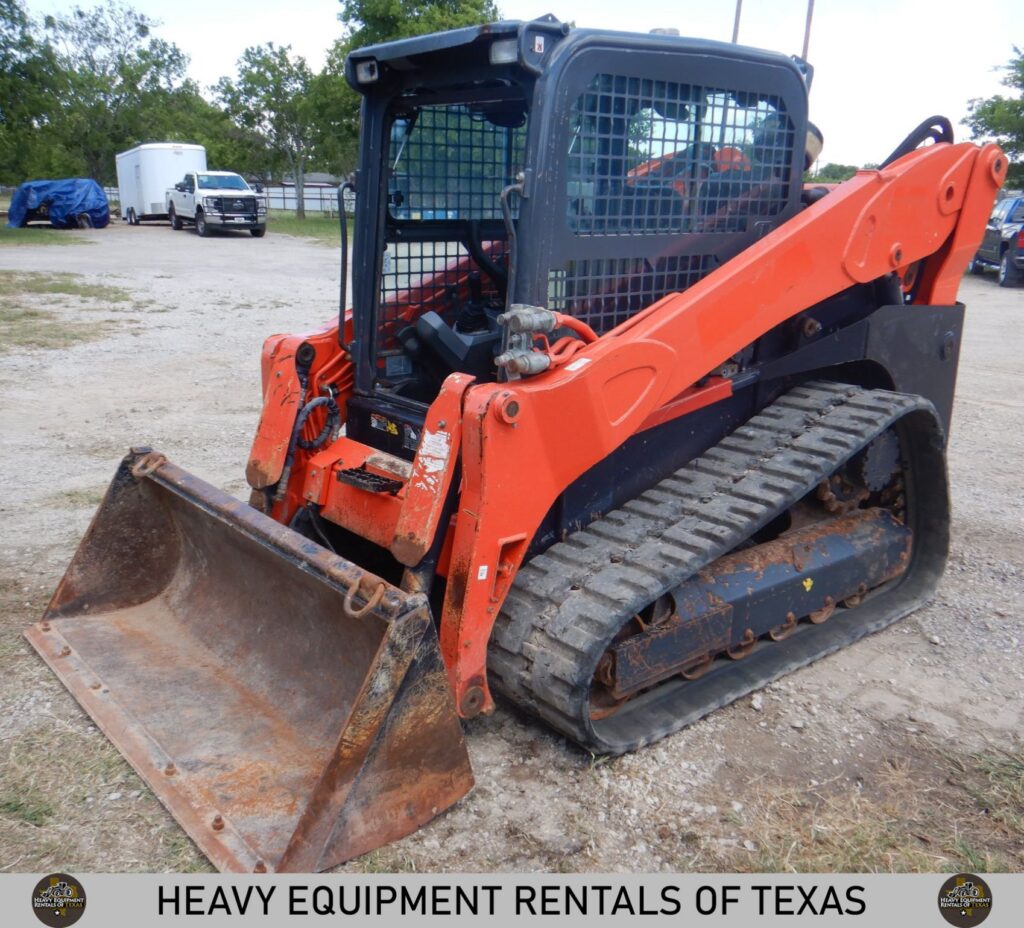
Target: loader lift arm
[860, 231]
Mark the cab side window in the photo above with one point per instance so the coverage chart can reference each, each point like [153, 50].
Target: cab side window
[664, 180]
[649, 156]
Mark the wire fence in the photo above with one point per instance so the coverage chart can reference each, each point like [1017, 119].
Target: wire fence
[316, 199]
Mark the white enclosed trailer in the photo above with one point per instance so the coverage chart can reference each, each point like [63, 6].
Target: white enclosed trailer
[146, 171]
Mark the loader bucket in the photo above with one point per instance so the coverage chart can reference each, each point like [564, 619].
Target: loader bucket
[290, 709]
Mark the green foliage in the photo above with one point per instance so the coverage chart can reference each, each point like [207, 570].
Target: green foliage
[112, 84]
[335, 108]
[270, 99]
[79, 86]
[368, 22]
[834, 173]
[26, 83]
[1001, 118]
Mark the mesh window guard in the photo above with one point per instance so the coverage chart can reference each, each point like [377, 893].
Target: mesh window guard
[655, 158]
[651, 156]
[448, 167]
[452, 163]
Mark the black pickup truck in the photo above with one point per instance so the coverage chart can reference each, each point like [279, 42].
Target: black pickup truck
[1003, 244]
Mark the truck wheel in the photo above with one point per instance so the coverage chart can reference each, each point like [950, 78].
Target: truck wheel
[975, 267]
[202, 228]
[173, 216]
[258, 232]
[1009, 276]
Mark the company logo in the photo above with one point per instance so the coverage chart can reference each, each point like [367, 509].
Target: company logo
[58, 899]
[965, 899]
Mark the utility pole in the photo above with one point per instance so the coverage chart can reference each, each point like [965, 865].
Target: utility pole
[736, 22]
[807, 29]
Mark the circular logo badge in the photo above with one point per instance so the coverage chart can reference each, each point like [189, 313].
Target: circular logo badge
[58, 899]
[965, 899]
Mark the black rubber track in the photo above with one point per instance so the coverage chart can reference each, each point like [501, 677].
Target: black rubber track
[567, 603]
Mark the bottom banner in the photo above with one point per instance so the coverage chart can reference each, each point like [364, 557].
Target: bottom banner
[112, 900]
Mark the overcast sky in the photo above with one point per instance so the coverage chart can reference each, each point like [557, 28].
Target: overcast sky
[881, 66]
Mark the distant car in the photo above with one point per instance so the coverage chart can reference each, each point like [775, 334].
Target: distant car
[1003, 244]
[71, 203]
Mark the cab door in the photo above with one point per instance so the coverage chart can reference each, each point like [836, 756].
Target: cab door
[990, 243]
[188, 197]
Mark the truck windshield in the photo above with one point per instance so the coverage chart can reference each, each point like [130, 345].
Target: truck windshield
[221, 182]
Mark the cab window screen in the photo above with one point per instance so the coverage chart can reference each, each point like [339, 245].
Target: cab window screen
[444, 241]
[650, 156]
[452, 162]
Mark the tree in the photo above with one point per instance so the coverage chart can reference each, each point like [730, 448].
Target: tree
[834, 173]
[271, 99]
[370, 21]
[335, 108]
[112, 79]
[1001, 118]
[26, 85]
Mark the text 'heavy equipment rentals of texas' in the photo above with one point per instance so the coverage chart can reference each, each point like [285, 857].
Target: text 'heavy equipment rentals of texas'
[625, 421]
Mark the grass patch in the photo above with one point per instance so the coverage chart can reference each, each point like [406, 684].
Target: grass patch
[24, 324]
[27, 807]
[320, 228]
[927, 812]
[37, 328]
[995, 781]
[14, 284]
[78, 498]
[37, 235]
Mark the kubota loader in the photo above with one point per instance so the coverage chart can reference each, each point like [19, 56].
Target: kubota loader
[624, 422]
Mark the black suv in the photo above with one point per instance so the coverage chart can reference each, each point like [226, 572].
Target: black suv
[1003, 244]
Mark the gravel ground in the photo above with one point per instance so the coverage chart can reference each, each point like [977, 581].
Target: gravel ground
[176, 366]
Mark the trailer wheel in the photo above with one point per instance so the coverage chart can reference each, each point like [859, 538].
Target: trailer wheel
[173, 216]
[202, 227]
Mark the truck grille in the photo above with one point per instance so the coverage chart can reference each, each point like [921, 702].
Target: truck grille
[236, 206]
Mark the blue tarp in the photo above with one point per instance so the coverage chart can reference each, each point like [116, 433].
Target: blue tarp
[63, 202]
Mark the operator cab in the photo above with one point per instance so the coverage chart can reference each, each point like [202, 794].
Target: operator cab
[590, 173]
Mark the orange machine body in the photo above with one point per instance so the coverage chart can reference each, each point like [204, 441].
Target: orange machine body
[921, 217]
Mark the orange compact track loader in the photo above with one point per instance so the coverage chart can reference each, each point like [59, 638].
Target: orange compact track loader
[624, 422]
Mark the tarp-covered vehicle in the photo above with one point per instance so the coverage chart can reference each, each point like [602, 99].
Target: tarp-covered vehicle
[73, 203]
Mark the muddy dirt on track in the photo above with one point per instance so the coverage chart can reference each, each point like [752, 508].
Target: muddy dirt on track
[897, 753]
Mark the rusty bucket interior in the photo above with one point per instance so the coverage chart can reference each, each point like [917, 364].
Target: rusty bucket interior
[290, 709]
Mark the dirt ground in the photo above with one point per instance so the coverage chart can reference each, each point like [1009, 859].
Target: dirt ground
[898, 753]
